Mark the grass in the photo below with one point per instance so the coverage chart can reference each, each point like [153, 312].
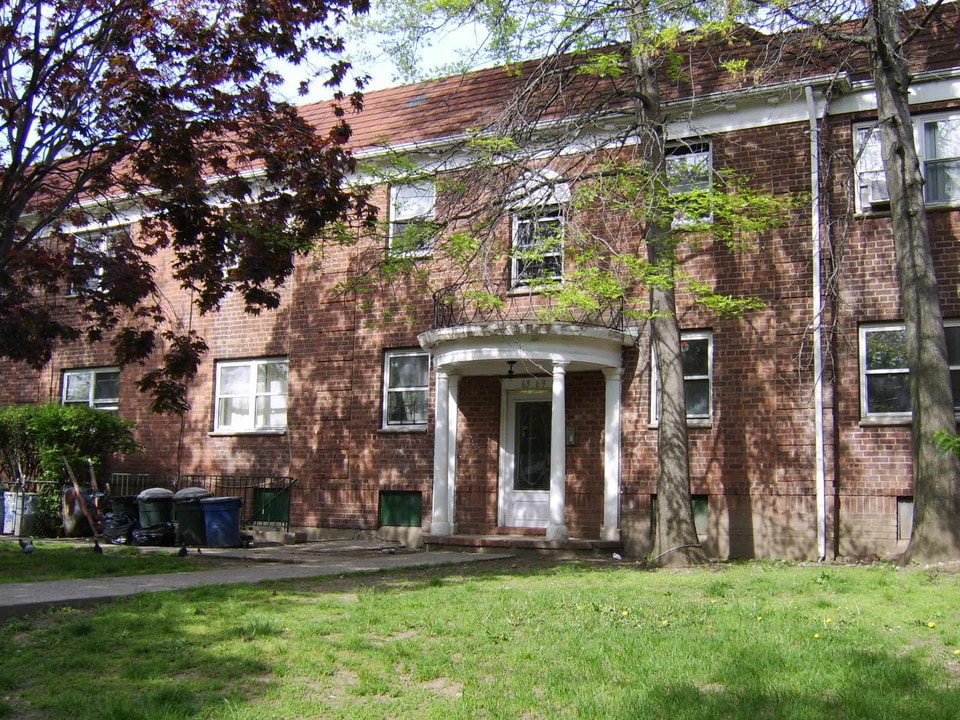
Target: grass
[749, 640]
[57, 560]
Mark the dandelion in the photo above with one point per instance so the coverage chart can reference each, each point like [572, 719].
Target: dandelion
[664, 623]
[829, 620]
[625, 613]
[931, 624]
[759, 618]
[816, 636]
[957, 651]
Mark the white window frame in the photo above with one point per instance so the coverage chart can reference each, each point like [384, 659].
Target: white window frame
[899, 417]
[871, 185]
[251, 394]
[98, 241]
[693, 420]
[534, 218]
[686, 155]
[110, 404]
[389, 390]
[410, 203]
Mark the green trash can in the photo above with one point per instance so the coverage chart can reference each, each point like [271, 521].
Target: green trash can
[188, 514]
[156, 506]
[124, 505]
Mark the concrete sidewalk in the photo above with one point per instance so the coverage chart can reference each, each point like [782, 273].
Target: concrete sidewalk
[251, 566]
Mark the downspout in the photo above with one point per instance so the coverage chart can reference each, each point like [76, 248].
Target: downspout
[816, 240]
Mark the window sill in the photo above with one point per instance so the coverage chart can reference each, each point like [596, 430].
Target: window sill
[545, 285]
[690, 424]
[236, 433]
[886, 421]
[421, 254]
[395, 429]
[883, 209]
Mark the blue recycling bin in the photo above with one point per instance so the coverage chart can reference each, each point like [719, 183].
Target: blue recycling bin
[221, 519]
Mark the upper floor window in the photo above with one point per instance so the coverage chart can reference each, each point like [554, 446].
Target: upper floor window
[537, 201]
[689, 168]
[938, 145]
[90, 251]
[406, 389]
[251, 395]
[97, 387]
[537, 246]
[885, 375]
[412, 208]
[696, 356]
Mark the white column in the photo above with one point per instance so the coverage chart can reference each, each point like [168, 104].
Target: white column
[453, 387]
[440, 521]
[611, 456]
[556, 530]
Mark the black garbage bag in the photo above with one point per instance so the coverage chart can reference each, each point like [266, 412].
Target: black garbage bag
[117, 528]
[163, 533]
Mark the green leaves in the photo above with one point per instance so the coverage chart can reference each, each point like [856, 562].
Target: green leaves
[35, 440]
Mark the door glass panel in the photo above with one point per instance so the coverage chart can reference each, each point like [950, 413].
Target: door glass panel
[532, 446]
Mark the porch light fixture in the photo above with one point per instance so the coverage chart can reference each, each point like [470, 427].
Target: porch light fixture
[510, 364]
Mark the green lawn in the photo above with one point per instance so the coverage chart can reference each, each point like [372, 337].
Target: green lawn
[747, 640]
[62, 560]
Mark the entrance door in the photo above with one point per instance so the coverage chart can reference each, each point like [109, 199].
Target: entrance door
[525, 466]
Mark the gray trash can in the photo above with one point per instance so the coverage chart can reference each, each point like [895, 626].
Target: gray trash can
[156, 506]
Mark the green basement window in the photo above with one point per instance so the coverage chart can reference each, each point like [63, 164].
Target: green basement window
[401, 508]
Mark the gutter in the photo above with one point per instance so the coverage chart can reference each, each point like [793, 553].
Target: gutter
[816, 238]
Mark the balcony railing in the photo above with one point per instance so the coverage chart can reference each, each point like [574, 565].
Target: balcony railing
[454, 306]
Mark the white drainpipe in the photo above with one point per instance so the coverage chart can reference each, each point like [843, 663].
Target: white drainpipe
[816, 239]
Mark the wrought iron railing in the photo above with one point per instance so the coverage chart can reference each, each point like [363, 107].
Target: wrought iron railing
[454, 306]
[266, 499]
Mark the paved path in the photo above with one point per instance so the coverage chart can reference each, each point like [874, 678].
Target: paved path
[253, 566]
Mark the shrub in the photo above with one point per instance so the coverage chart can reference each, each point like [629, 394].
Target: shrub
[37, 440]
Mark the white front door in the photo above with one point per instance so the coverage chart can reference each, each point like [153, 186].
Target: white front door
[525, 460]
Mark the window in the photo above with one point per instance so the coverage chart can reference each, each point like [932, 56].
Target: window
[406, 392]
[904, 518]
[411, 217]
[251, 395]
[938, 144]
[97, 387]
[537, 200]
[696, 355]
[701, 514]
[537, 246]
[885, 376]
[90, 250]
[689, 173]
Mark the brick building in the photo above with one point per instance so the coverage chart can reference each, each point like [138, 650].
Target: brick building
[405, 402]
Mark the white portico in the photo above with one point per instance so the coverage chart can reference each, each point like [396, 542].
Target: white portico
[534, 361]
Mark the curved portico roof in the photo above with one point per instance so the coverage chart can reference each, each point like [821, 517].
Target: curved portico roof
[487, 348]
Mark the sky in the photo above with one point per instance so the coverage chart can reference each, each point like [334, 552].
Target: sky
[367, 59]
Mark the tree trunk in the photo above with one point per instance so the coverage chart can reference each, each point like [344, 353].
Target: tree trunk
[936, 475]
[675, 538]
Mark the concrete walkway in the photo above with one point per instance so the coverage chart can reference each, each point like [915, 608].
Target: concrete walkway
[254, 565]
